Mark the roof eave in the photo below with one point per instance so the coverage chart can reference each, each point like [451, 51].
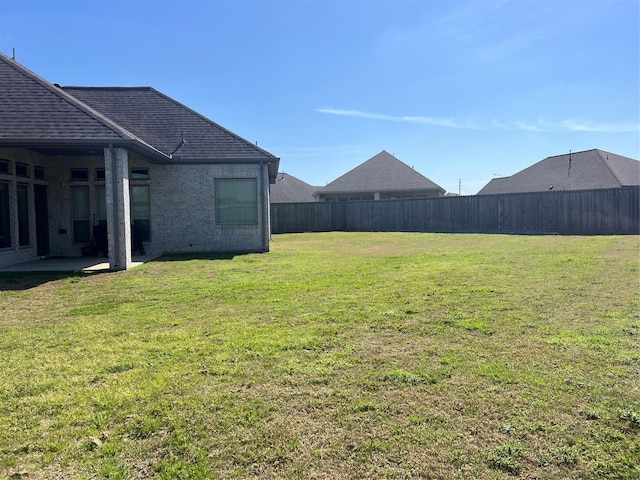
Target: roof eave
[143, 148]
[272, 162]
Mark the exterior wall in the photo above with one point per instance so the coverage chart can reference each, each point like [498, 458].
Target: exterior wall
[59, 197]
[389, 195]
[57, 179]
[183, 210]
[182, 205]
[16, 253]
[401, 195]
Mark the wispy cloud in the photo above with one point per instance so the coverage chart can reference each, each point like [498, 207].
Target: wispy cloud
[540, 125]
[433, 121]
[568, 125]
[530, 127]
[575, 126]
[493, 30]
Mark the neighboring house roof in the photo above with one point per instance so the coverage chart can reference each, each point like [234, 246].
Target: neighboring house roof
[590, 169]
[381, 173]
[289, 189]
[38, 113]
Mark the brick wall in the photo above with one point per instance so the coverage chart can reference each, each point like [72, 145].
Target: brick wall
[182, 203]
[183, 210]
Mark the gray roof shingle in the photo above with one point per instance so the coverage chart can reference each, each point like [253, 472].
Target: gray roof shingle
[34, 112]
[382, 172]
[289, 189]
[162, 121]
[590, 169]
[34, 109]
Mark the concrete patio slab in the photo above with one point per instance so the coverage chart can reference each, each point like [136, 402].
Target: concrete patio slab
[70, 264]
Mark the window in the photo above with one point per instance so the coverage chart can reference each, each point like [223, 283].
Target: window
[139, 174]
[4, 166]
[236, 201]
[141, 211]
[38, 173]
[100, 175]
[5, 224]
[23, 214]
[79, 174]
[22, 170]
[80, 212]
[101, 203]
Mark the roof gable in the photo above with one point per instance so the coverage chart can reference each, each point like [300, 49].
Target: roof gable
[35, 110]
[382, 172]
[590, 169]
[163, 122]
[624, 169]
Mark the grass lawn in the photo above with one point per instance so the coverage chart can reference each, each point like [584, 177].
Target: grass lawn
[334, 356]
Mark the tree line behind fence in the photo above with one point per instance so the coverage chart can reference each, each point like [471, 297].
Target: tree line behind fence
[587, 212]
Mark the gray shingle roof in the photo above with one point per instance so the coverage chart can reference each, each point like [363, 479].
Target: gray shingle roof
[382, 172]
[34, 109]
[34, 112]
[162, 121]
[289, 189]
[591, 169]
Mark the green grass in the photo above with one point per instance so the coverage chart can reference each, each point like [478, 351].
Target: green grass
[337, 355]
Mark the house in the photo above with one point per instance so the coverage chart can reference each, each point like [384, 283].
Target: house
[289, 189]
[382, 177]
[125, 167]
[591, 169]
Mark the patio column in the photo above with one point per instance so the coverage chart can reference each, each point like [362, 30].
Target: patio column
[116, 169]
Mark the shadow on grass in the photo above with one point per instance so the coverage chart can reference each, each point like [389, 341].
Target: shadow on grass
[27, 280]
[181, 257]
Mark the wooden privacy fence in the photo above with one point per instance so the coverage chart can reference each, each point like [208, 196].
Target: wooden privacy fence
[584, 212]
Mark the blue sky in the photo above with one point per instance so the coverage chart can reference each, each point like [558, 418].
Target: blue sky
[463, 91]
